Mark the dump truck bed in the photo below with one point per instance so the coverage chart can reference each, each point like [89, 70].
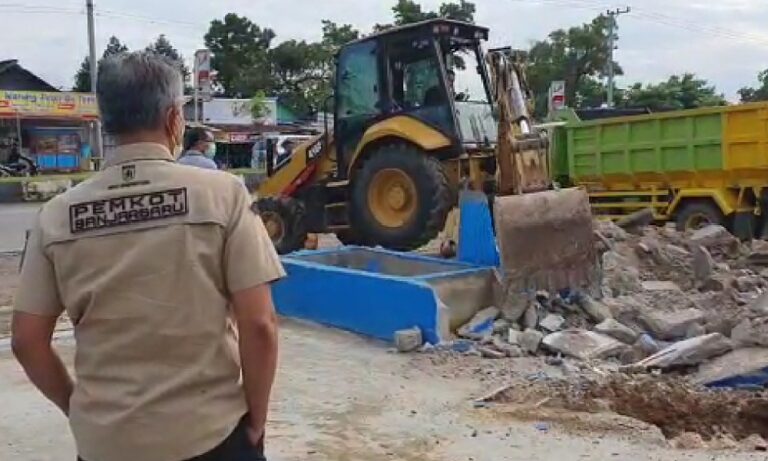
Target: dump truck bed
[712, 147]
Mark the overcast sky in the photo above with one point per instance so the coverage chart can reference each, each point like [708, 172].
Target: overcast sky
[724, 41]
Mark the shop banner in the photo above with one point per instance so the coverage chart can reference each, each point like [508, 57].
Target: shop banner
[44, 104]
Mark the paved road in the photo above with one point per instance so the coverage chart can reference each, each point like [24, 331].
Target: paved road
[14, 220]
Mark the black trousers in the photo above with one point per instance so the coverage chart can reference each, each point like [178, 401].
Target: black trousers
[236, 447]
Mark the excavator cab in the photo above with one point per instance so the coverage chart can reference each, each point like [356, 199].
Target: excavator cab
[403, 72]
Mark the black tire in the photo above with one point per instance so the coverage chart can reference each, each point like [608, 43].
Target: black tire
[30, 168]
[434, 198]
[349, 237]
[696, 213]
[288, 215]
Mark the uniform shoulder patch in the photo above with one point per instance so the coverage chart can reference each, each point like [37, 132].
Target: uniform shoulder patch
[129, 209]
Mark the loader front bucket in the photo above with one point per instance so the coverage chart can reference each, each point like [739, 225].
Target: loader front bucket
[546, 240]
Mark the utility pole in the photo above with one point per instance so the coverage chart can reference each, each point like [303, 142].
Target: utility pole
[98, 147]
[612, 14]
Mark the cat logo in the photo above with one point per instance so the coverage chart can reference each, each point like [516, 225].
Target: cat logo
[129, 173]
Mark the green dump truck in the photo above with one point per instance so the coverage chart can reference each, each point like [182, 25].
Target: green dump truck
[691, 167]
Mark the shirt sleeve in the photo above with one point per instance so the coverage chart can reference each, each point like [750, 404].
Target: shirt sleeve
[38, 292]
[250, 258]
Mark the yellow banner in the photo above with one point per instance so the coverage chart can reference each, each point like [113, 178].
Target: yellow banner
[44, 104]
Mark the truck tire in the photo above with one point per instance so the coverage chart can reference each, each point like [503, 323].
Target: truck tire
[284, 221]
[696, 214]
[400, 197]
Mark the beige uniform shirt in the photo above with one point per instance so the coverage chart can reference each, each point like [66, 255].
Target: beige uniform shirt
[144, 256]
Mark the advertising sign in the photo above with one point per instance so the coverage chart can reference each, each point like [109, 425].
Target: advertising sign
[202, 71]
[237, 112]
[557, 96]
[48, 104]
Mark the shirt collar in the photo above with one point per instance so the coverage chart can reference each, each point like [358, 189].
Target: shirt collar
[139, 151]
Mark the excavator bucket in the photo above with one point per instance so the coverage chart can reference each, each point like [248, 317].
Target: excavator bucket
[546, 240]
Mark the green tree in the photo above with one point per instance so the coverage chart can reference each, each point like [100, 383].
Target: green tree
[749, 94]
[240, 50]
[579, 56]
[409, 11]
[301, 74]
[83, 75]
[334, 35]
[678, 92]
[162, 46]
[461, 11]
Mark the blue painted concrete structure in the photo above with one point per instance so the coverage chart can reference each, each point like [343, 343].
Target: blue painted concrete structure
[373, 292]
[477, 241]
[754, 380]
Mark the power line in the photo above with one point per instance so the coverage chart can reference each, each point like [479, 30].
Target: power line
[147, 19]
[658, 18]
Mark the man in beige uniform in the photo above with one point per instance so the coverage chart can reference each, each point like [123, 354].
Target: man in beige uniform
[159, 266]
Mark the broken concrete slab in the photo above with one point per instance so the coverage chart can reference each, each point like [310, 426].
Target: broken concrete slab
[501, 326]
[610, 230]
[671, 325]
[617, 330]
[754, 443]
[709, 234]
[659, 285]
[552, 323]
[760, 305]
[583, 344]
[751, 332]
[748, 283]
[481, 324]
[490, 353]
[758, 254]
[739, 369]
[509, 350]
[647, 344]
[717, 283]
[703, 264]
[513, 336]
[531, 317]
[620, 276]
[688, 352]
[530, 340]
[717, 239]
[514, 305]
[695, 330]
[596, 310]
[636, 221]
[408, 340]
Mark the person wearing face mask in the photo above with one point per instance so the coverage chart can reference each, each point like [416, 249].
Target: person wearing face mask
[165, 272]
[199, 149]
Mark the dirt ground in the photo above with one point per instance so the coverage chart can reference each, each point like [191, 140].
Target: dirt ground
[339, 397]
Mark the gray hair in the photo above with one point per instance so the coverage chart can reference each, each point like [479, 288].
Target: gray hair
[135, 91]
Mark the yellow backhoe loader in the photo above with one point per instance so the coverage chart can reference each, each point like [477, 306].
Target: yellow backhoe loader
[405, 141]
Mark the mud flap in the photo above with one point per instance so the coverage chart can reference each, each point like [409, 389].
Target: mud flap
[744, 225]
[546, 240]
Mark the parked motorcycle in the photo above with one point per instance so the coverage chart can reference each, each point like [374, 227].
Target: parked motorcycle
[17, 163]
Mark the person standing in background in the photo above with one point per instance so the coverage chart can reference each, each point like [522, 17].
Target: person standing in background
[199, 149]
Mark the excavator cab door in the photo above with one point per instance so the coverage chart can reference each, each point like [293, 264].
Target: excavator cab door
[358, 97]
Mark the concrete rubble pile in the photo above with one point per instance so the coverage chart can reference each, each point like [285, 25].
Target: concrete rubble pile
[667, 300]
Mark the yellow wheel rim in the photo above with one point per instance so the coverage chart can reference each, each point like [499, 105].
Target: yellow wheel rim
[274, 224]
[392, 197]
